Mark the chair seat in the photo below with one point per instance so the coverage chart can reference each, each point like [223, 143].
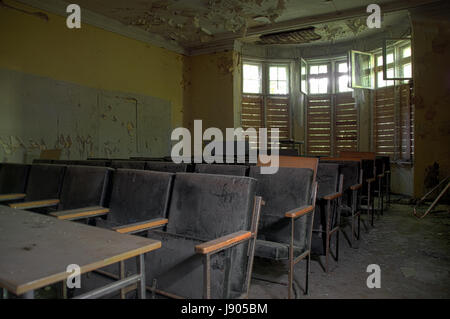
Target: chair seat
[274, 250]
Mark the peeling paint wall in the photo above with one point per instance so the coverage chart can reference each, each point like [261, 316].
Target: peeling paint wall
[90, 56]
[40, 113]
[431, 34]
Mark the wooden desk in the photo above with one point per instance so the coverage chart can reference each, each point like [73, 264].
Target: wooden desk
[35, 251]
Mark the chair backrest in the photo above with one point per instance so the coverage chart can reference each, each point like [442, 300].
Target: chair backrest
[166, 167]
[327, 179]
[45, 181]
[84, 186]
[13, 178]
[42, 161]
[288, 152]
[94, 163]
[128, 164]
[350, 170]
[138, 195]
[288, 189]
[219, 169]
[206, 206]
[361, 155]
[295, 162]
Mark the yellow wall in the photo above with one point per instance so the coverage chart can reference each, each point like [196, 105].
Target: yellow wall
[431, 87]
[209, 90]
[89, 56]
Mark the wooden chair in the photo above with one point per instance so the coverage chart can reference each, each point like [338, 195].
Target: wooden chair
[287, 216]
[13, 180]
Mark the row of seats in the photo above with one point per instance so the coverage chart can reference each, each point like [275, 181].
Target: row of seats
[193, 209]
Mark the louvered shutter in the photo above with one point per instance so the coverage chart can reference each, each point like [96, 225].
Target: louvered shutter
[278, 115]
[319, 122]
[252, 115]
[405, 129]
[384, 121]
[346, 123]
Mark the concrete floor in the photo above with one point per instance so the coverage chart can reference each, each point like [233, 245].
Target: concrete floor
[413, 255]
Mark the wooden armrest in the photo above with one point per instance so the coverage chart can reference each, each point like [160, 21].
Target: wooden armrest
[221, 243]
[332, 196]
[299, 211]
[81, 213]
[35, 204]
[370, 180]
[141, 226]
[8, 197]
[355, 187]
[380, 175]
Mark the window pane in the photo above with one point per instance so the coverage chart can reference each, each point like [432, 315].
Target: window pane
[342, 68]
[380, 81]
[323, 85]
[406, 52]
[390, 58]
[252, 78]
[282, 74]
[323, 68]
[407, 72]
[314, 69]
[252, 86]
[273, 73]
[313, 86]
[380, 60]
[343, 84]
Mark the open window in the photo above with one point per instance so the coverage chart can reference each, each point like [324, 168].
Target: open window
[397, 54]
[361, 70]
[303, 76]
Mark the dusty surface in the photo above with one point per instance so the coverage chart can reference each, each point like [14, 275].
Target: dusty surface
[413, 255]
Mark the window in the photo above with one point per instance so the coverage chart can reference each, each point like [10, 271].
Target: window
[278, 79]
[380, 81]
[252, 78]
[342, 77]
[318, 79]
[398, 58]
[266, 99]
[332, 118]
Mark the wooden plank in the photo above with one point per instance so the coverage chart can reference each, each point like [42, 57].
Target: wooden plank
[222, 242]
[36, 249]
[80, 213]
[35, 204]
[140, 226]
[9, 197]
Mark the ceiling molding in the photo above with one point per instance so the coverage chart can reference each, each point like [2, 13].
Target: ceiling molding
[224, 39]
[58, 7]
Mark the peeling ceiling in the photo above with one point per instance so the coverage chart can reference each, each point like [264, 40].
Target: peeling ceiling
[195, 22]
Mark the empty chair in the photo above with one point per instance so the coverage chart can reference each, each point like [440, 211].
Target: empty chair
[286, 222]
[94, 163]
[207, 250]
[220, 169]
[128, 164]
[136, 196]
[42, 161]
[166, 167]
[13, 180]
[83, 190]
[43, 186]
[352, 184]
[327, 215]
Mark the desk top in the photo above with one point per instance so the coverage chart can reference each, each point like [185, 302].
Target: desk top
[35, 249]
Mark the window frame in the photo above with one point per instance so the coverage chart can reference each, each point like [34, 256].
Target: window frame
[397, 47]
